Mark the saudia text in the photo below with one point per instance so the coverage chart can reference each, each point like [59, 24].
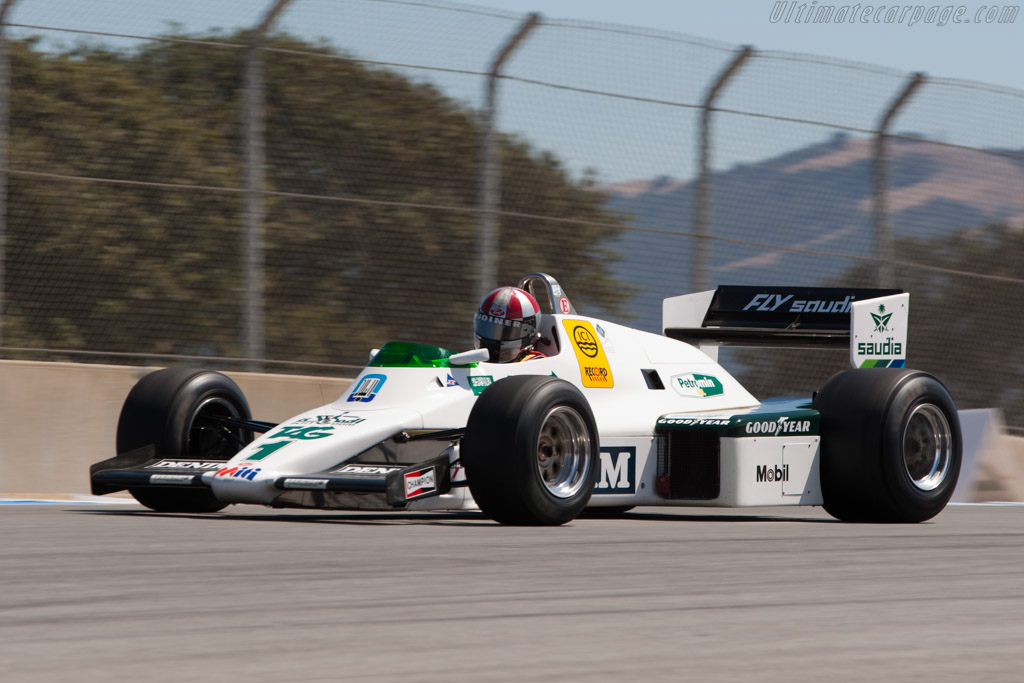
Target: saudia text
[886, 348]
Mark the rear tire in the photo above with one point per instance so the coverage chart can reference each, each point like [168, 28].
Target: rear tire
[891, 445]
[530, 451]
[171, 409]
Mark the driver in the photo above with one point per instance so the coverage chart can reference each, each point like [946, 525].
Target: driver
[506, 325]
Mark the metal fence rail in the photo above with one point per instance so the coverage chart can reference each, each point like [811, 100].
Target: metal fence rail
[265, 197]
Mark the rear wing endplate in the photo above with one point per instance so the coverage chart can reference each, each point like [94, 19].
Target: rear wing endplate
[871, 322]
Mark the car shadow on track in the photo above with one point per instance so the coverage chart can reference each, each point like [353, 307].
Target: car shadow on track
[707, 518]
[470, 519]
[326, 517]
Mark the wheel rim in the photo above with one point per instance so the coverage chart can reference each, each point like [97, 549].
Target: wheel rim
[206, 437]
[927, 447]
[563, 452]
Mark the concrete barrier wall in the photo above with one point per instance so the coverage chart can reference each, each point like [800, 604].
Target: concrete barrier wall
[56, 419]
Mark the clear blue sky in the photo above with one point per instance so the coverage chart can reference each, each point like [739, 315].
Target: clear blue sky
[961, 49]
[992, 53]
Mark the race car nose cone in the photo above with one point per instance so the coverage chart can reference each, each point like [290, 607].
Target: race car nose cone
[246, 482]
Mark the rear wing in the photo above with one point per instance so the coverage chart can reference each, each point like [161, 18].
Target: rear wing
[871, 322]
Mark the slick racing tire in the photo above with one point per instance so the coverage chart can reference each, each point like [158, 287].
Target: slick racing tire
[530, 451]
[175, 411]
[891, 445]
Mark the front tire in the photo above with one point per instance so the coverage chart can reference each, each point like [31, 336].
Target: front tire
[175, 410]
[530, 451]
[891, 445]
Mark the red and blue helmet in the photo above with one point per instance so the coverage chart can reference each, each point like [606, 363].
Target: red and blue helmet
[506, 323]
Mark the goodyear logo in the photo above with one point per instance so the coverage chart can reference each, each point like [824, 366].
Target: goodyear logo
[594, 369]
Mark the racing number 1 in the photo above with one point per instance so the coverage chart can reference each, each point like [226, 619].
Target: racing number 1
[290, 435]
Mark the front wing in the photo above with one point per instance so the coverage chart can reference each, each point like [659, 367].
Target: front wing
[398, 484]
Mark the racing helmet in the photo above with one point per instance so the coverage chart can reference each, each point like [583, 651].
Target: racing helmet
[506, 324]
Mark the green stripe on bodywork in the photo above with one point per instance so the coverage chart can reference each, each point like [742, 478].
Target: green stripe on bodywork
[883, 363]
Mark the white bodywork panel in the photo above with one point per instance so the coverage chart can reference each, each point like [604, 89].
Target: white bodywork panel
[688, 310]
[383, 401]
[754, 471]
[770, 470]
[878, 332]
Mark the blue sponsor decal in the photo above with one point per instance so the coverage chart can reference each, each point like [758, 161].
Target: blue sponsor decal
[618, 470]
[452, 382]
[367, 389]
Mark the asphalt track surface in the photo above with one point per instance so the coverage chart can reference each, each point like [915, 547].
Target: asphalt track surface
[94, 593]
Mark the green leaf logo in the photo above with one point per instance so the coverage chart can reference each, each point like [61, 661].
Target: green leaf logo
[881, 319]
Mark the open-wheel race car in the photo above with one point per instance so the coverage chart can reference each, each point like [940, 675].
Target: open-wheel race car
[605, 417]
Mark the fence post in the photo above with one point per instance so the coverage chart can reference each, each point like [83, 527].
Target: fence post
[490, 165]
[884, 249]
[5, 98]
[702, 203]
[255, 162]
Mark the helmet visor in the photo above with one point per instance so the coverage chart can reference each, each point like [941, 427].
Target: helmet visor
[501, 352]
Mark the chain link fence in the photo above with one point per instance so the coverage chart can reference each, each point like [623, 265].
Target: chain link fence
[289, 190]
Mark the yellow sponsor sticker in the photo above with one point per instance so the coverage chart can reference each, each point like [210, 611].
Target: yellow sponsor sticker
[594, 368]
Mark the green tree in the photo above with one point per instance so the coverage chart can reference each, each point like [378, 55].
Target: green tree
[370, 224]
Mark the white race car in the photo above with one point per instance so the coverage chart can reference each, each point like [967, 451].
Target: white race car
[610, 419]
